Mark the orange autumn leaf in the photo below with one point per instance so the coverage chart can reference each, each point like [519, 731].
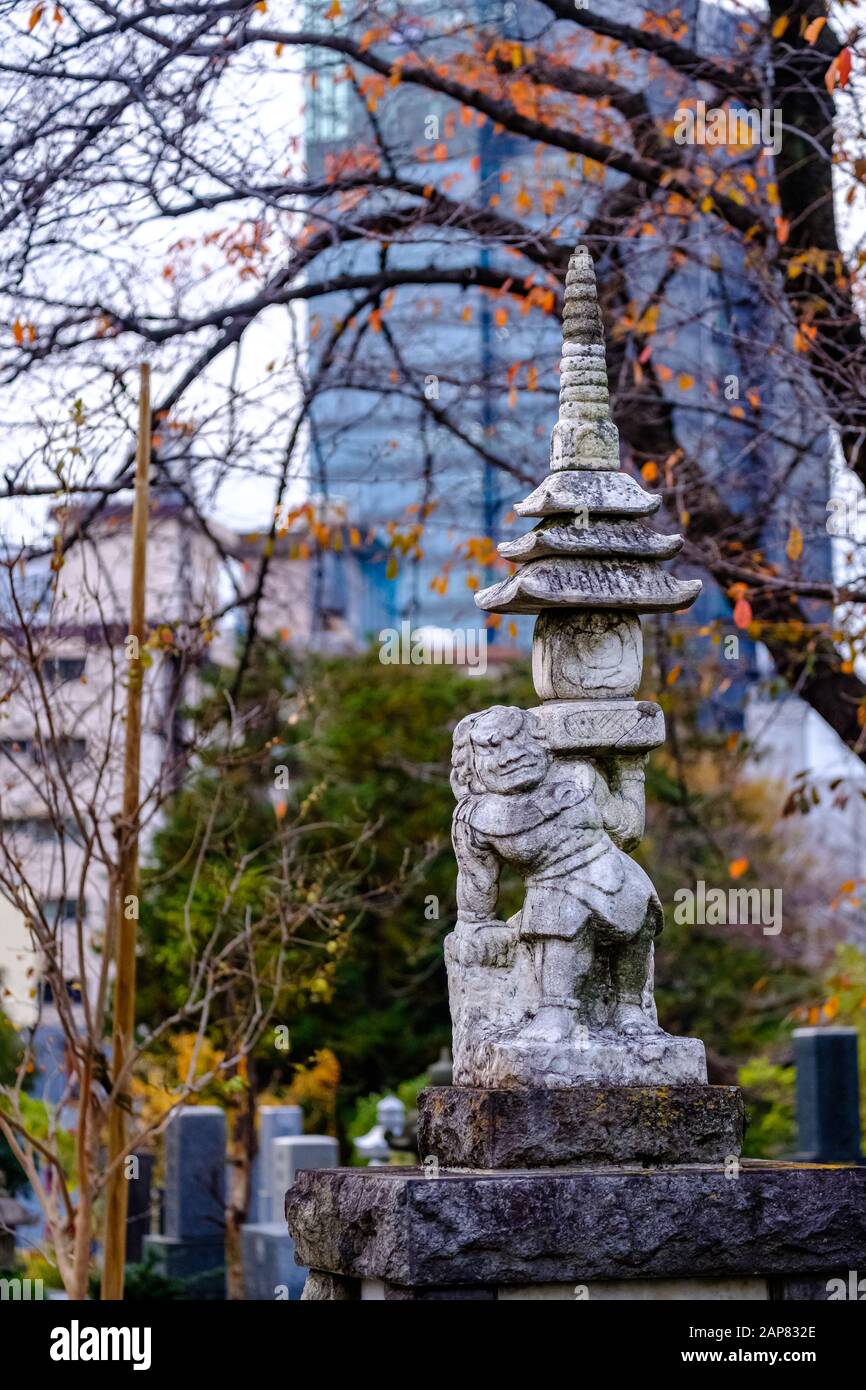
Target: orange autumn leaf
[333, 10]
[500, 318]
[35, 16]
[376, 320]
[18, 332]
[804, 335]
[440, 152]
[843, 66]
[794, 548]
[783, 230]
[813, 30]
[673, 675]
[650, 471]
[839, 70]
[738, 867]
[685, 382]
[742, 613]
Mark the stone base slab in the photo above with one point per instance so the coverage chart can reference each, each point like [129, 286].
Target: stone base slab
[466, 1232]
[466, 1127]
[646, 1059]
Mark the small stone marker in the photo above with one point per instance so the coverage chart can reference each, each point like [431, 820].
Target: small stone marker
[290, 1157]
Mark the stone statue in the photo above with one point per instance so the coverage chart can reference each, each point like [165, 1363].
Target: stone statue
[562, 993]
[590, 913]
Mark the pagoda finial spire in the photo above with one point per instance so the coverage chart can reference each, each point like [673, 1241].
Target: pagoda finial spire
[584, 435]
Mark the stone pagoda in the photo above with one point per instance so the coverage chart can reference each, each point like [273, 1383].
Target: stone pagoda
[580, 1144]
[561, 994]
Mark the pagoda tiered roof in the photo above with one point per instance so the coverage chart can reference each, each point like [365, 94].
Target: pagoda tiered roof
[592, 548]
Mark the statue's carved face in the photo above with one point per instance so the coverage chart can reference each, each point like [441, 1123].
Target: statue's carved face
[508, 758]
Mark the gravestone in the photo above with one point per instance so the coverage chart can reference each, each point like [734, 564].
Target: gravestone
[268, 1251]
[138, 1208]
[275, 1122]
[191, 1245]
[828, 1094]
[580, 1144]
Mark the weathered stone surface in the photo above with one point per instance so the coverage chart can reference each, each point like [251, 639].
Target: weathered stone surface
[558, 1226]
[627, 726]
[597, 494]
[593, 1056]
[561, 993]
[564, 582]
[586, 655]
[467, 1127]
[629, 538]
[330, 1288]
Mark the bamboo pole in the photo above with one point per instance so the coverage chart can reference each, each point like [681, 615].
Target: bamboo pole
[117, 1191]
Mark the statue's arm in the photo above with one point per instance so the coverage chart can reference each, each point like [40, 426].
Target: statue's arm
[621, 799]
[477, 875]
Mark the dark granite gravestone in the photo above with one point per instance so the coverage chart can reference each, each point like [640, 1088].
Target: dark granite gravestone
[828, 1094]
[192, 1247]
[138, 1209]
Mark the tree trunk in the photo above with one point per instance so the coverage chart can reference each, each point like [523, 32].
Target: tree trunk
[241, 1149]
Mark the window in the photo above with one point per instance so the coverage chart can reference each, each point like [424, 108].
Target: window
[62, 909]
[67, 750]
[58, 669]
[73, 989]
[16, 747]
[39, 828]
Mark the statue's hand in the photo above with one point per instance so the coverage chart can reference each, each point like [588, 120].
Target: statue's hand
[484, 943]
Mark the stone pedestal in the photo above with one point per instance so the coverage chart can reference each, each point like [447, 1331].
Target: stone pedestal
[467, 1127]
[754, 1230]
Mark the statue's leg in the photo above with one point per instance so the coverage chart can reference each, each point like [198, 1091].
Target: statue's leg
[560, 967]
[631, 964]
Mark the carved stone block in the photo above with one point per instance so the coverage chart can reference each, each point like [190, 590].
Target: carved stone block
[586, 655]
[585, 726]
